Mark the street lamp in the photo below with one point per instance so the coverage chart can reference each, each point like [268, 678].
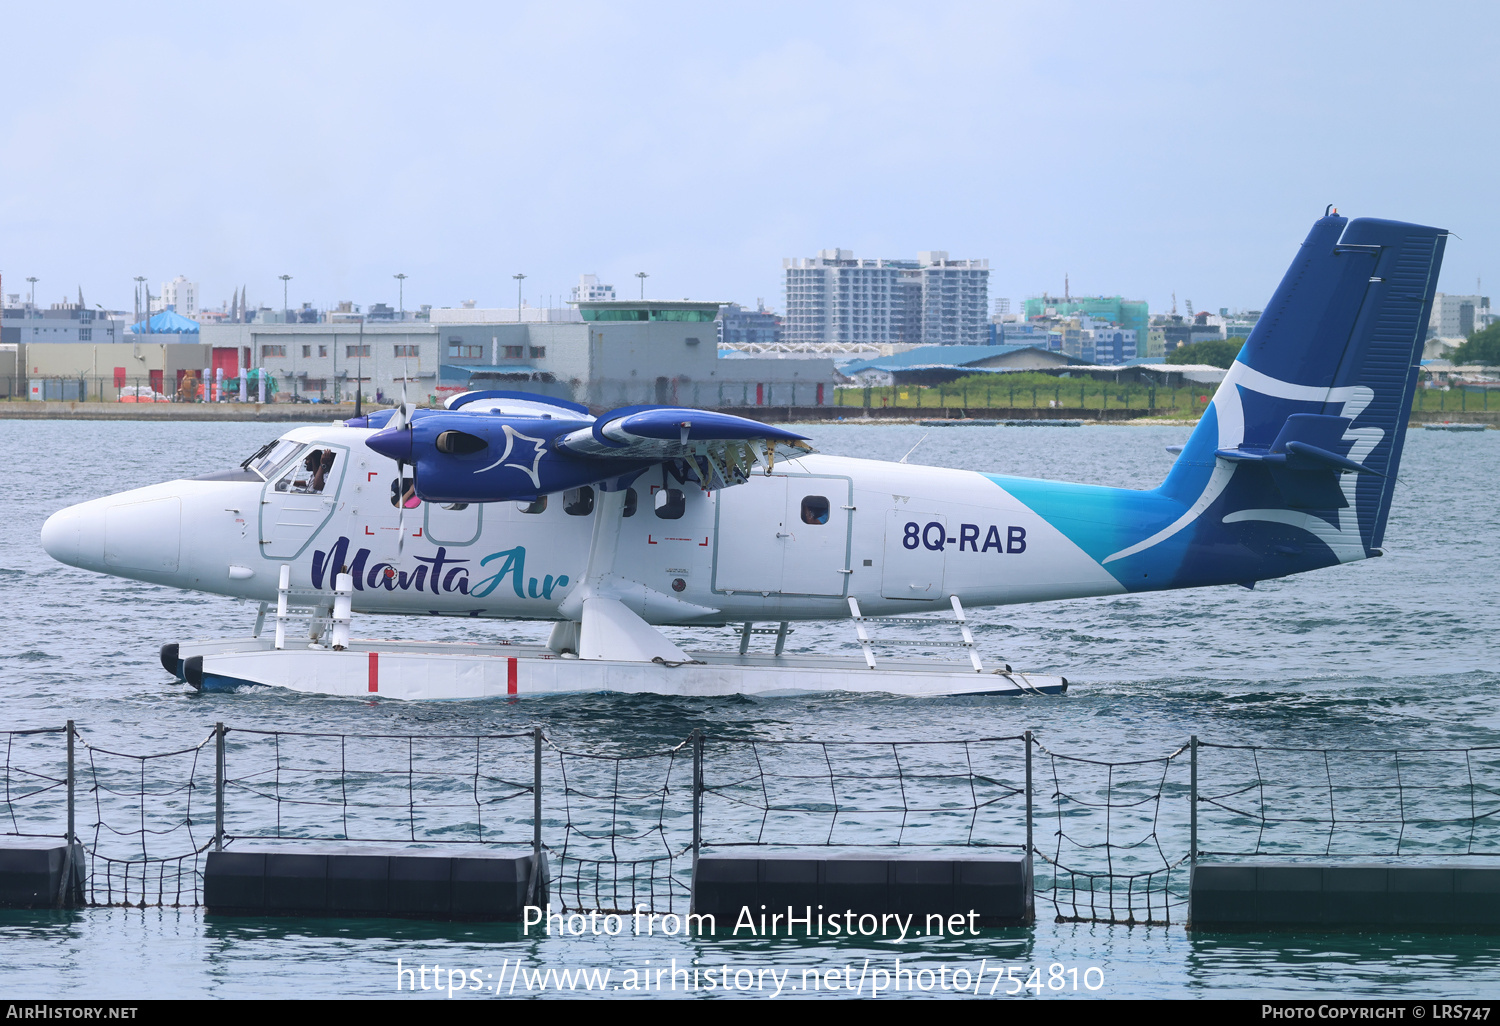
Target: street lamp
[33, 292]
[285, 308]
[643, 276]
[139, 287]
[401, 294]
[519, 278]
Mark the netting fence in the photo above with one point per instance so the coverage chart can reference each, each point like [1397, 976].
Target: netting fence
[1390, 803]
[1100, 828]
[1110, 841]
[147, 821]
[878, 794]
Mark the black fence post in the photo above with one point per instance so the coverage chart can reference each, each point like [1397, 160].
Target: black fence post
[1028, 808]
[697, 812]
[536, 815]
[1193, 798]
[65, 888]
[218, 787]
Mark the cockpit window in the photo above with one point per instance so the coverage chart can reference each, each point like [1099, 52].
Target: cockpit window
[310, 474]
[272, 456]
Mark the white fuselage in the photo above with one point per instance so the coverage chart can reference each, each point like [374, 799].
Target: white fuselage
[896, 537]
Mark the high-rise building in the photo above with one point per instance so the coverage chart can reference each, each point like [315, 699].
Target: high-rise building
[588, 290]
[1127, 313]
[181, 295]
[835, 297]
[1458, 316]
[741, 326]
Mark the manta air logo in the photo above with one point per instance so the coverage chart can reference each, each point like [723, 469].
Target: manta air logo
[538, 450]
[440, 574]
[1341, 533]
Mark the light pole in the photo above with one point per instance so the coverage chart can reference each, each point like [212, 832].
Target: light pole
[643, 276]
[286, 311]
[33, 293]
[519, 278]
[140, 285]
[401, 294]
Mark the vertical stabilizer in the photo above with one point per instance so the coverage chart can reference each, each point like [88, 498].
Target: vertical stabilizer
[1306, 429]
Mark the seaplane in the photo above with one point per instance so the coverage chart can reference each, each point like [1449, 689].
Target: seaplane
[613, 525]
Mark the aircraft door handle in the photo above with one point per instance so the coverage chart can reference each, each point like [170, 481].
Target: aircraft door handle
[782, 534]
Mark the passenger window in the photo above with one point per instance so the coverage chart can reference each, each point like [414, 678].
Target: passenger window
[456, 506]
[815, 510]
[671, 503]
[578, 502]
[630, 503]
[533, 507]
[404, 492]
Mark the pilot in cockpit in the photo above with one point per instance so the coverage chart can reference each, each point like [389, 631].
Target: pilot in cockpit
[311, 476]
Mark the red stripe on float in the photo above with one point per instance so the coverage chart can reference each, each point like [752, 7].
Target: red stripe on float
[510, 677]
[374, 671]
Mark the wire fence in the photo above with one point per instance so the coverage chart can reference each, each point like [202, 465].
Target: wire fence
[1352, 803]
[628, 828]
[1111, 840]
[1106, 860]
[378, 788]
[152, 821]
[36, 767]
[969, 793]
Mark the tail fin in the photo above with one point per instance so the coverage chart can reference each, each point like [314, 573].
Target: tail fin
[1311, 417]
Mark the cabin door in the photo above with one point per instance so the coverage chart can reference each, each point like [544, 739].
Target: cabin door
[297, 503]
[784, 535]
[913, 564]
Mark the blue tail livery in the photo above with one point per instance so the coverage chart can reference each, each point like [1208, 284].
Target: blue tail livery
[1293, 464]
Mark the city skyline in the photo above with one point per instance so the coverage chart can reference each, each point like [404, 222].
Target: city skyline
[705, 147]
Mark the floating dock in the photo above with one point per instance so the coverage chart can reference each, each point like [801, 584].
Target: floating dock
[356, 880]
[40, 873]
[996, 888]
[1292, 895]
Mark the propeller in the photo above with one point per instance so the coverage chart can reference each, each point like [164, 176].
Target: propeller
[402, 422]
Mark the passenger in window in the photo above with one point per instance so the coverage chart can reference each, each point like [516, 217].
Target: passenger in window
[579, 502]
[815, 510]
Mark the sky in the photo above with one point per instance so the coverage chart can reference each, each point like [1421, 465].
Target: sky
[1143, 149]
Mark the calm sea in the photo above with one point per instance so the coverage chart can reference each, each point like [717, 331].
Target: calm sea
[1398, 652]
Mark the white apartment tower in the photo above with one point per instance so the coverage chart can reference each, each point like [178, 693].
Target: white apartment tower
[1458, 316]
[835, 297]
[181, 295]
[588, 290]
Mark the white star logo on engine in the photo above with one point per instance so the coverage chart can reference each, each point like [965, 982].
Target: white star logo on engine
[511, 435]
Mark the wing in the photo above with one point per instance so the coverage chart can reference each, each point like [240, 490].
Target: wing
[715, 449]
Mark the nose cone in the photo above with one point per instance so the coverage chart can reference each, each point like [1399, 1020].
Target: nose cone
[394, 443]
[60, 535]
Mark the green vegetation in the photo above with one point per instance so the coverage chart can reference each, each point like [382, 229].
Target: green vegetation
[978, 394]
[1482, 347]
[981, 395]
[1215, 352]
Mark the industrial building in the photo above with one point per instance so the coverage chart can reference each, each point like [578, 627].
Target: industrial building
[615, 354]
[936, 365]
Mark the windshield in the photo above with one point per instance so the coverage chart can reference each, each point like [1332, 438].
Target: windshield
[271, 456]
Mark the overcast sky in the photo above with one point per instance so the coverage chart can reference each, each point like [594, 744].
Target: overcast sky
[1141, 149]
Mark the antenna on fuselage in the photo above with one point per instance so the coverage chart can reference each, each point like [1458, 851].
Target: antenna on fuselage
[913, 448]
